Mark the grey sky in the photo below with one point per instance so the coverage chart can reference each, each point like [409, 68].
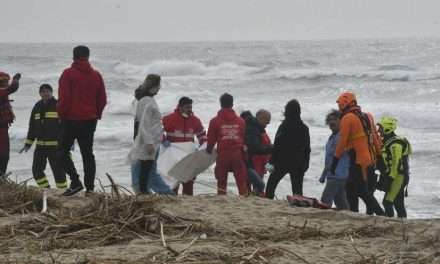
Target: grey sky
[189, 20]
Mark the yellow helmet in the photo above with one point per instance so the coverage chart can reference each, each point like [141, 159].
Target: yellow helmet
[388, 124]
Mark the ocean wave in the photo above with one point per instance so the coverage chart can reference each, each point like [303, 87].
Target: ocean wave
[396, 67]
[384, 76]
[177, 68]
[306, 63]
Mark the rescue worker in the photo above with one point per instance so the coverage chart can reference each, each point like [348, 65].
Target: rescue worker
[395, 170]
[291, 151]
[227, 130]
[259, 148]
[334, 190]
[45, 129]
[147, 141]
[81, 101]
[356, 136]
[156, 183]
[183, 126]
[6, 116]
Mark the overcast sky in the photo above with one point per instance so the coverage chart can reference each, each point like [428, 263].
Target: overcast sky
[192, 20]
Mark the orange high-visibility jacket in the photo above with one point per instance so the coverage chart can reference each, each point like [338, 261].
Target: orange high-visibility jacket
[353, 137]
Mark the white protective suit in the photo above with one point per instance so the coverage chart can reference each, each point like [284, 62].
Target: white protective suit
[150, 130]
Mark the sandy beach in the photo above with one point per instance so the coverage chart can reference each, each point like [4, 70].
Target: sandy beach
[118, 228]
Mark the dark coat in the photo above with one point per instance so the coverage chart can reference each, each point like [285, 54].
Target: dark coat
[253, 139]
[292, 146]
[44, 124]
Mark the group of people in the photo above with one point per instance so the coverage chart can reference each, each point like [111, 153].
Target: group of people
[357, 150]
[54, 125]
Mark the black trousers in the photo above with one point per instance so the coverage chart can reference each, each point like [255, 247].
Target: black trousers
[399, 204]
[357, 188]
[296, 179]
[83, 132]
[4, 148]
[4, 160]
[372, 185]
[41, 156]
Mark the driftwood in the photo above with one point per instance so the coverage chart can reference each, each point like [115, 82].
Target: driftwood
[117, 218]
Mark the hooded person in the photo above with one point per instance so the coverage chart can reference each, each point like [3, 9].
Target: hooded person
[6, 116]
[357, 136]
[81, 101]
[291, 151]
[227, 131]
[395, 167]
[148, 137]
[183, 126]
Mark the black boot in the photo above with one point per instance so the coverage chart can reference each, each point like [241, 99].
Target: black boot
[75, 187]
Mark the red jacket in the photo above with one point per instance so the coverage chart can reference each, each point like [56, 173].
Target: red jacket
[260, 161]
[81, 93]
[6, 114]
[181, 129]
[227, 130]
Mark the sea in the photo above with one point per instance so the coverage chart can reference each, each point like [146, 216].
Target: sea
[398, 77]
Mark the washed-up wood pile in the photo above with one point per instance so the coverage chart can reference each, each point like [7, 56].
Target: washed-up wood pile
[116, 227]
[102, 220]
[18, 198]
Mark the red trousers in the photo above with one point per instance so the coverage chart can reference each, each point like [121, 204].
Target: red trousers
[188, 188]
[231, 160]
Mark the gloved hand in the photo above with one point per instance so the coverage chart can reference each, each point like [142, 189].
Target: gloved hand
[384, 183]
[269, 167]
[16, 77]
[166, 143]
[25, 148]
[334, 165]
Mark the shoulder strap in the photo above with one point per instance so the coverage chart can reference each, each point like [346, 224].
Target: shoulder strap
[406, 147]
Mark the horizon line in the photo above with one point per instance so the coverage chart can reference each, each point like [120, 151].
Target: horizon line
[222, 41]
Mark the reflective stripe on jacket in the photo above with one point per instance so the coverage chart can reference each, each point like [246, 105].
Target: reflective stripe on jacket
[183, 129]
[44, 124]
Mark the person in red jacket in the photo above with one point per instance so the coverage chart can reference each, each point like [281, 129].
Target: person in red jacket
[227, 130]
[183, 126]
[6, 116]
[81, 101]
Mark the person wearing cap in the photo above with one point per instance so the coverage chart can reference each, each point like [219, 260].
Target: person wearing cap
[358, 137]
[44, 130]
[6, 116]
[81, 101]
[148, 135]
[183, 126]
